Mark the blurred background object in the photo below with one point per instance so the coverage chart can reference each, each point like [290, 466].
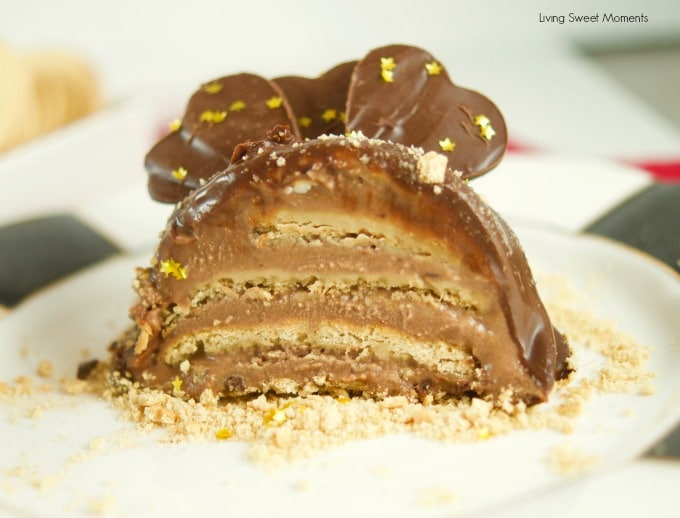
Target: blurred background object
[42, 91]
[649, 66]
[548, 78]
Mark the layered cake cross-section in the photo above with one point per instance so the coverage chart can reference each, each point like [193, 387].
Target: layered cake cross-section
[340, 263]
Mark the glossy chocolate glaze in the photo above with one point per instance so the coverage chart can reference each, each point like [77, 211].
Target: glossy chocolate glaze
[211, 234]
[420, 109]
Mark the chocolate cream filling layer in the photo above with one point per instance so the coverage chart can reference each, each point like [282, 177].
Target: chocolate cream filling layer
[317, 337]
[340, 262]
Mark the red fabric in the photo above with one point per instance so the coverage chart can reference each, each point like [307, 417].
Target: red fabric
[517, 147]
[666, 171]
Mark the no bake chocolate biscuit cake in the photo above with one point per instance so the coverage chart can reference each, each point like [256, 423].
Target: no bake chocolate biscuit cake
[338, 262]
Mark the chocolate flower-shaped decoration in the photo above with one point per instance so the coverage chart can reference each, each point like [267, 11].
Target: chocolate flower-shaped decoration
[319, 104]
[220, 115]
[405, 95]
[398, 93]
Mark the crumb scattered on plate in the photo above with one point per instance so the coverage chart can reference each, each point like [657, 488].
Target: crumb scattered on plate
[278, 430]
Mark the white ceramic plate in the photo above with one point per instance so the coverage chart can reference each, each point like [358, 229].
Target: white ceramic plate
[49, 469]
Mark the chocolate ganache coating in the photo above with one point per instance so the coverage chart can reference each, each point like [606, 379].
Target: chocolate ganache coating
[225, 229]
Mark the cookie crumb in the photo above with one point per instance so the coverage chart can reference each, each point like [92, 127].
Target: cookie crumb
[45, 369]
[103, 505]
[432, 167]
[435, 497]
[303, 485]
[569, 461]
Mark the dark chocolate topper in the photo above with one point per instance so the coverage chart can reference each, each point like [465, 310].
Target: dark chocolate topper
[398, 93]
[403, 94]
[220, 115]
[319, 104]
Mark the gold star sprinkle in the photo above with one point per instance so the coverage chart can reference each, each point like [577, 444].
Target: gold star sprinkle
[387, 76]
[176, 384]
[180, 173]
[343, 117]
[212, 116]
[305, 122]
[175, 125]
[482, 120]
[433, 68]
[484, 433]
[329, 115]
[212, 87]
[223, 434]
[237, 106]
[172, 267]
[387, 64]
[487, 132]
[274, 102]
[275, 417]
[447, 145]
[278, 416]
